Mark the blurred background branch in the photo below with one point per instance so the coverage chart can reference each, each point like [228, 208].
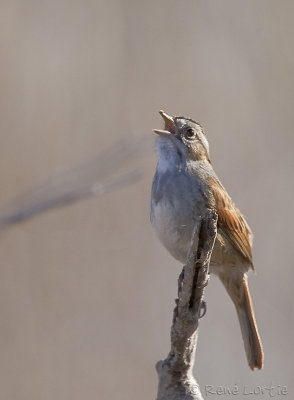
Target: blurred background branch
[93, 178]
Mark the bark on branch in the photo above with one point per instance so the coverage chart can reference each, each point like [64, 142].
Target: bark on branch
[176, 380]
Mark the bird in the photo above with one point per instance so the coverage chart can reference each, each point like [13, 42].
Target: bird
[184, 187]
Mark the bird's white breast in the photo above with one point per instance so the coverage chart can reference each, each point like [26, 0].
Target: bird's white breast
[171, 231]
[177, 201]
[176, 208]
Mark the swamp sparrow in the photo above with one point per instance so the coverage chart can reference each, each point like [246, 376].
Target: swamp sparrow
[184, 187]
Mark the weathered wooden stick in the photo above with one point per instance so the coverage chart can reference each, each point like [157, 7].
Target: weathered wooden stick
[176, 380]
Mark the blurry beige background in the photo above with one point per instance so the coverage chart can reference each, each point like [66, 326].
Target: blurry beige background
[86, 292]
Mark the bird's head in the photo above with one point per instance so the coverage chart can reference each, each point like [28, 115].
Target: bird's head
[183, 137]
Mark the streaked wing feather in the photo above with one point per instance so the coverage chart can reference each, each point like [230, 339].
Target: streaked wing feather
[231, 221]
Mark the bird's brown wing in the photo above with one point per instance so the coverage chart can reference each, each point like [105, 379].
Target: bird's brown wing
[231, 221]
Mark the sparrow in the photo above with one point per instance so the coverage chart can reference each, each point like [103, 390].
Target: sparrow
[184, 187]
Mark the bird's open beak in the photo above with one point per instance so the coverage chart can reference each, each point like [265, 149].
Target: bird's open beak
[169, 125]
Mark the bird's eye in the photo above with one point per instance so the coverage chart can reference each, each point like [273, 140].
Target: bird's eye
[190, 133]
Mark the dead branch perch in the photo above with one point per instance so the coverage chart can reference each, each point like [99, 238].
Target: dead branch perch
[176, 380]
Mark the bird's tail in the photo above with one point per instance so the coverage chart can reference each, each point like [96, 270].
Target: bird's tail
[239, 293]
